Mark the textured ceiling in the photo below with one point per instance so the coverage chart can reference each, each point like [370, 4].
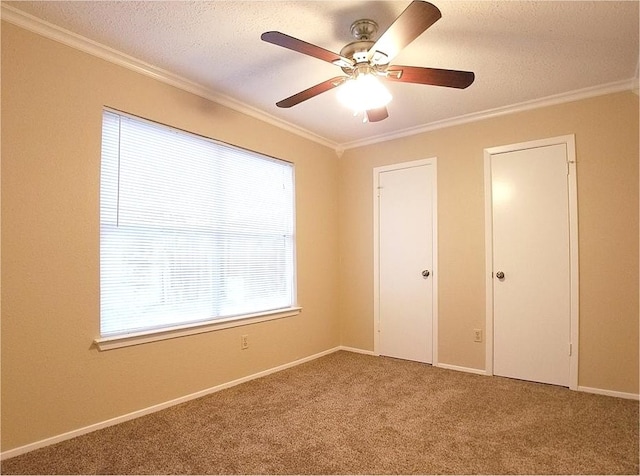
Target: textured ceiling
[520, 51]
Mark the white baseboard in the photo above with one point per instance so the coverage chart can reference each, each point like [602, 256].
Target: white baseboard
[356, 350]
[609, 393]
[461, 369]
[598, 391]
[443, 366]
[161, 406]
[154, 408]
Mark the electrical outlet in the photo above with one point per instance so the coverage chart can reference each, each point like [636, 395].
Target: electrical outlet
[477, 335]
[244, 341]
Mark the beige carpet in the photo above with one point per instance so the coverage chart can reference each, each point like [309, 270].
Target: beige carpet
[354, 414]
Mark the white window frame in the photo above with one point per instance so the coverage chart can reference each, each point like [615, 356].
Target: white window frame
[168, 332]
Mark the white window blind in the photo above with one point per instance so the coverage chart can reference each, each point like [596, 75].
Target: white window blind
[191, 230]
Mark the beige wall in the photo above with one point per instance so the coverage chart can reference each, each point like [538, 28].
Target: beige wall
[52, 380]
[606, 131]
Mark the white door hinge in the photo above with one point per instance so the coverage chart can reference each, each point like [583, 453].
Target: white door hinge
[569, 162]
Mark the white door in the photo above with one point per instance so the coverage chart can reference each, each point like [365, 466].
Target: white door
[531, 264]
[405, 261]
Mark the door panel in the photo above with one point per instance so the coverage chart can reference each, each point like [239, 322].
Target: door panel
[532, 303]
[405, 250]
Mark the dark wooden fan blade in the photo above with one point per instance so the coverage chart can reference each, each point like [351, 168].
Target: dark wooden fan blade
[376, 115]
[286, 41]
[312, 91]
[411, 23]
[436, 77]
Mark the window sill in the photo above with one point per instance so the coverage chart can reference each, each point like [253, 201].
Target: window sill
[125, 340]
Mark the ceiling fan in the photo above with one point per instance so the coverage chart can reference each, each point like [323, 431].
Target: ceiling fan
[364, 60]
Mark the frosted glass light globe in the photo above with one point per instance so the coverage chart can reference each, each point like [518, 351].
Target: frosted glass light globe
[363, 93]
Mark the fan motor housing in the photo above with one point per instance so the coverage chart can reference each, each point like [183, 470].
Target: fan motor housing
[357, 51]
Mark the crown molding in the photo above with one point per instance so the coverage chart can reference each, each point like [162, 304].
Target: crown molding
[86, 45]
[618, 86]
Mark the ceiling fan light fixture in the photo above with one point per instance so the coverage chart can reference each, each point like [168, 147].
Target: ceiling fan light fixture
[365, 60]
[362, 93]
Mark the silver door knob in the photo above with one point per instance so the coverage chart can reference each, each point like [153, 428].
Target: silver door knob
[500, 275]
[425, 273]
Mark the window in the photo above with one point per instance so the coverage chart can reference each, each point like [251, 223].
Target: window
[191, 230]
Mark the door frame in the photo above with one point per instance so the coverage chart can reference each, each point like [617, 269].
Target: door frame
[569, 142]
[376, 252]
